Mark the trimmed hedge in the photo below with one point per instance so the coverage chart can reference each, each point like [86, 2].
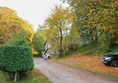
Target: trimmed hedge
[16, 58]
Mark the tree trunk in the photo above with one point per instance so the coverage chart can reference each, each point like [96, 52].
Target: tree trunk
[61, 41]
[15, 77]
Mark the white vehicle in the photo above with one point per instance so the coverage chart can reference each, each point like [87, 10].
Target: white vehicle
[48, 56]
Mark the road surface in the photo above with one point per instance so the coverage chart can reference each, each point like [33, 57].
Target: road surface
[58, 73]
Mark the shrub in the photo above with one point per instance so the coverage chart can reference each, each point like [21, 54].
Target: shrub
[16, 58]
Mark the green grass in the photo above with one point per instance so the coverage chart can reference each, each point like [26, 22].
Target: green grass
[2, 77]
[93, 49]
[34, 76]
[87, 49]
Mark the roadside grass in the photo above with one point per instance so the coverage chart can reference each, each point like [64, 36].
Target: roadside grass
[93, 50]
[34, 76]
[2, 77]
[91, 63]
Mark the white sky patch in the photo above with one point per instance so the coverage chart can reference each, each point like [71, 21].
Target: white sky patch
[33, 11]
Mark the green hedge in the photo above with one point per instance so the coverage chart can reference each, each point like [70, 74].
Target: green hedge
[16, 58]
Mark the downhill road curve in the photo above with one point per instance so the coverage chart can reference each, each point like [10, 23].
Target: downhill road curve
[57, 73]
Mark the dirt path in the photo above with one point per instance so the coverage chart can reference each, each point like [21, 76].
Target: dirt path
[57, 73]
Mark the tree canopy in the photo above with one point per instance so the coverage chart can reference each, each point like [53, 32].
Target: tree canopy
[96, 20]
[10, 24]
[58, 25]
[85, 21]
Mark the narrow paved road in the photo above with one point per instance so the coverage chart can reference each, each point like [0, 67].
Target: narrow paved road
[57, 73]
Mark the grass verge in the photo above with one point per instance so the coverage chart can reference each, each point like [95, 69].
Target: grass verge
[34, 76]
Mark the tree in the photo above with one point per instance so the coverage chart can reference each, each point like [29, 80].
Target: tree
[104, 16]
[15, 50]
[10, 24]
[51, 36]
[60, 20]
[99, 18]
[38, 41]
[18, 39]
[16, 60]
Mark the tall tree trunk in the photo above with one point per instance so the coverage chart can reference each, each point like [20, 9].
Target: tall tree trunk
[61, 42]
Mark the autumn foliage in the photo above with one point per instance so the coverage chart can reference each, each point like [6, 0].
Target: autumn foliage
[11, 24]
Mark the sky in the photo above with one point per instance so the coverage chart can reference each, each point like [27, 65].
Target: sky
[32, 11]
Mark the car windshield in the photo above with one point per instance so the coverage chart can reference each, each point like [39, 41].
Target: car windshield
[115, 53]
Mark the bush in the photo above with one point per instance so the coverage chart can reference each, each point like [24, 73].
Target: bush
[16, 59]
